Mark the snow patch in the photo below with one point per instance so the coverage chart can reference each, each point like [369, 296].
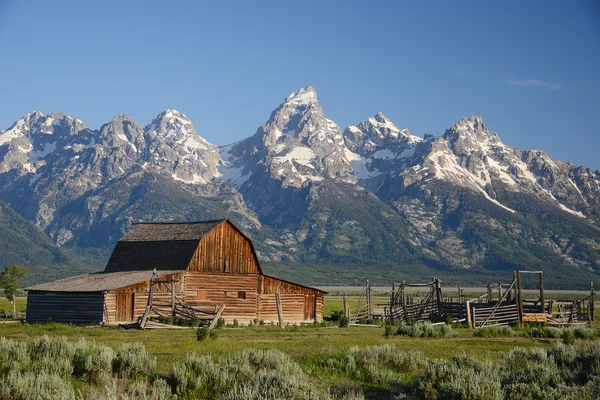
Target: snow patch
[301, 155]
[47, 148]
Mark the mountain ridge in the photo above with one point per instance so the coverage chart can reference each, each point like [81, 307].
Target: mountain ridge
[84, 187]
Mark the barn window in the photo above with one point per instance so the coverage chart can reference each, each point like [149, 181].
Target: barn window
[201, 294]
[242, 295]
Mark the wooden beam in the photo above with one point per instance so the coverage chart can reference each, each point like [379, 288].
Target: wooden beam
[520, 298]
[346, 309]
[469, 322]
[217, 316]
[542, 293]
[279, 312]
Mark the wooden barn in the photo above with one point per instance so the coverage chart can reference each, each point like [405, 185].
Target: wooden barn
[202, 265]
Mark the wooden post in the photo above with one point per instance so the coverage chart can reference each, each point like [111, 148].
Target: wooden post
[369, 302]
[515, 297]
[520, 298]
[393, 297]
[542, 299]
[173, 296]
[592, 305]
[499, 290]
[279, 313]
[403, 289]
[474, 318]
[489, 292]
[438, 295]
[315, 306]
[346, 309]
[469, 322]
[460, 299]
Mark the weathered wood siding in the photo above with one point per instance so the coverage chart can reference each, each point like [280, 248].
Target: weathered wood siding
[298, 303]
[66, 307]
[224, 250]
[140, 293]
[236, 291]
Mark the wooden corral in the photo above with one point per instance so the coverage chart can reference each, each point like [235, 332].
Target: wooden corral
[210, 264]
[502, 304]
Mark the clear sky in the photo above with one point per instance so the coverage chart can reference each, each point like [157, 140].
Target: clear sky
[529, 68]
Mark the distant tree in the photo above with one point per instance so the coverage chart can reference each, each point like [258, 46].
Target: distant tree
[10, 279]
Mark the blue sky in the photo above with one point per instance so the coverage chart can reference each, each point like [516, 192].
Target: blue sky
[530, 69]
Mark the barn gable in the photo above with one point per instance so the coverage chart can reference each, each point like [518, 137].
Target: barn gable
[207, 246]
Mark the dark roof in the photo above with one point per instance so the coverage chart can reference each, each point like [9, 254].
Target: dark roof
[160, 246]
[167, 231]
[99, 281]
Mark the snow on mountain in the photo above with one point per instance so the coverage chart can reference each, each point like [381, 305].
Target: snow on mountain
[71, 181]
[376, 146]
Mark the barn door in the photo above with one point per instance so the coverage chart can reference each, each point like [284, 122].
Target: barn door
[124, 306]
[309, 307]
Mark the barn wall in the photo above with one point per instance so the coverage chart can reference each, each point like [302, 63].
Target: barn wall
[297, 302]
[236, 291]
[224, 250]
[140, 298]
[65, 307]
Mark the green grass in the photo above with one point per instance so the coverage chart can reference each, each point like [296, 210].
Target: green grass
[6, 306]
[306, 345]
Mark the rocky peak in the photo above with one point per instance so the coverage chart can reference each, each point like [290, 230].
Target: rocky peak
[304, 97]
[472, 126]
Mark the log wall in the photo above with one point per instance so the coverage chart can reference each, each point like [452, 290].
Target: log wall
[162, 298]
[236, 291]
[224, 250]
[65, 307]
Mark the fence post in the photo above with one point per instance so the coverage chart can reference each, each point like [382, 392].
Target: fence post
[279, 313]
[592, 305]
[489, 292]
[520, 298]
[393, 296]
[468, 309]
[369, 302]
[173, 296]
[542, 300]
[346, 309]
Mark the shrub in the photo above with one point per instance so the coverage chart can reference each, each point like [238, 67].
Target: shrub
[494, 331]
[40, 386]
[250, 374]
[236, 323]
[568, 336]
[92, 363]
[220, 322]
[424, 329]
[583, 332]
[336, 315]
[14, 356]
[545, 332]
[343, 322]
[204, 333]
[132, 360]
[463, 377]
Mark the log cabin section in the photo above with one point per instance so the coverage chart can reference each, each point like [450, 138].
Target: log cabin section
[213, 263]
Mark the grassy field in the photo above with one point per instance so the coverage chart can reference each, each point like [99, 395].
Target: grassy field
[310, 346]
[302, 343]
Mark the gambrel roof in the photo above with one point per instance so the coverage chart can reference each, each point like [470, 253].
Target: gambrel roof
[164, 246]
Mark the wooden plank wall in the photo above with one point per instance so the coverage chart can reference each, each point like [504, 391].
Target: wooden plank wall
[224, 250]
[66, 307]
[140, 298]
[296, 308]
[206, 290]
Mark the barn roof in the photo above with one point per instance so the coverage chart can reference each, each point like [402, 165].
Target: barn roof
[161, 246]
[99, 281]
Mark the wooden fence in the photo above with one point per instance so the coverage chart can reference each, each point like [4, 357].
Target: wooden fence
[508, 307]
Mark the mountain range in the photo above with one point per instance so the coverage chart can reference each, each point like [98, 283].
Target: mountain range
[323, 205]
